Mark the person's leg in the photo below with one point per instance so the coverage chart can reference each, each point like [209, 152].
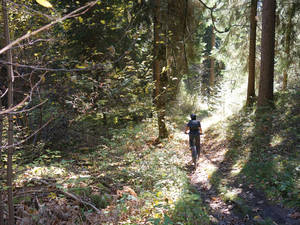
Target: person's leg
[191, 140]
[198, 147]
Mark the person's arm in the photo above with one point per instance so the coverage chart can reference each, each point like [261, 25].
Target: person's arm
[200, 128]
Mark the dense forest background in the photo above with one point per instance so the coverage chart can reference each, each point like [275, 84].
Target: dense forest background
[95, 95]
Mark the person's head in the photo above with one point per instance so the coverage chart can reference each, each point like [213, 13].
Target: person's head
[193, 116]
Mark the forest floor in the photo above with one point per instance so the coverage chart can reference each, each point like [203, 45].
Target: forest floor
[143, 182]
[229, 201]
[242, 177]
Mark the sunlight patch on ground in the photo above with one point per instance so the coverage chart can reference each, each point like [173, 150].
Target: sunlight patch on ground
[205, 171]
[181, 136]
[276, 140]
[239, 164]
[60, 174]
[39, 172]
[232, 194]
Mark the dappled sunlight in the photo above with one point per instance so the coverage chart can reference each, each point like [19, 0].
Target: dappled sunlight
[276, 140]
[53, 173]
[39, 172]
[239, 164]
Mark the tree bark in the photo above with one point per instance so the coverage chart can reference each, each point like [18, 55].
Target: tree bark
[289, 28]
[1, 168]
[212, 60]
[265, 95]
[252, 54]
[159, 54]
[11, 217]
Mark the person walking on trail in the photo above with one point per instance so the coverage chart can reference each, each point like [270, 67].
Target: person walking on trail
[195, 130]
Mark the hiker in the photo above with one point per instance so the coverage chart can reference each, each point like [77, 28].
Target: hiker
[195, 130]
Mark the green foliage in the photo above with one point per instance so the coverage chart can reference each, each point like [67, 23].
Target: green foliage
[189, 209]
[268, 144]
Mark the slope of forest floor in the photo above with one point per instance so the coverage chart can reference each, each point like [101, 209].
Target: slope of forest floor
[131, 179]
[243, 176]
[249, 170]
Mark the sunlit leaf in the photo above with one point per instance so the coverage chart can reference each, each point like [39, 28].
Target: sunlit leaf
[80, 66]
[45, 3]
[43, 79]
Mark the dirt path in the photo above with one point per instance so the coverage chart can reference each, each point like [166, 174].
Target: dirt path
[230, 202]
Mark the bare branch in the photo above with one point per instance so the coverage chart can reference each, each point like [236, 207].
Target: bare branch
[70, 15]
[73, 196]
[211, 9]
[30, 136]
[4, 93]
[10, 110]
[15, 107]
[32, 108]
[52, 69]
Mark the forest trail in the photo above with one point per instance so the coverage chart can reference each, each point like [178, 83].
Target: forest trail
[229, 201]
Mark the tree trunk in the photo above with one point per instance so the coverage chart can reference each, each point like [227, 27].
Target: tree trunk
[175, 23]
[159, 55]
[252, 55]
[289, 28]
[10, 119]
[265, 95]
[1, 168]
[212, 60]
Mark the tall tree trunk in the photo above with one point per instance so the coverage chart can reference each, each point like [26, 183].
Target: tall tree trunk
[175, 21]
[159, 56]
[1, 168]
[212, 60]
[265, 95]
[11, 217]
[289, 28]
[252, 55]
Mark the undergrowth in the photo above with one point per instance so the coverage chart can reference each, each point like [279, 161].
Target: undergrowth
[130, 177]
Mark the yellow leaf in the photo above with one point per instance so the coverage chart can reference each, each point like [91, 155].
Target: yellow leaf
[43, 79]
[80, 67]
[80, 19]
[102, 21]
[44, 3]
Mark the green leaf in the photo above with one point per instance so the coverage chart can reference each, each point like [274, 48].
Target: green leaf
[44, 3]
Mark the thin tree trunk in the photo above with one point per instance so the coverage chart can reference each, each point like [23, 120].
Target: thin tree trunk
[158, 58]
[1, 168]
[10, 119]
[156, 66]
[291, 14]
[265, 95]
[212, 60]
[252, 55]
